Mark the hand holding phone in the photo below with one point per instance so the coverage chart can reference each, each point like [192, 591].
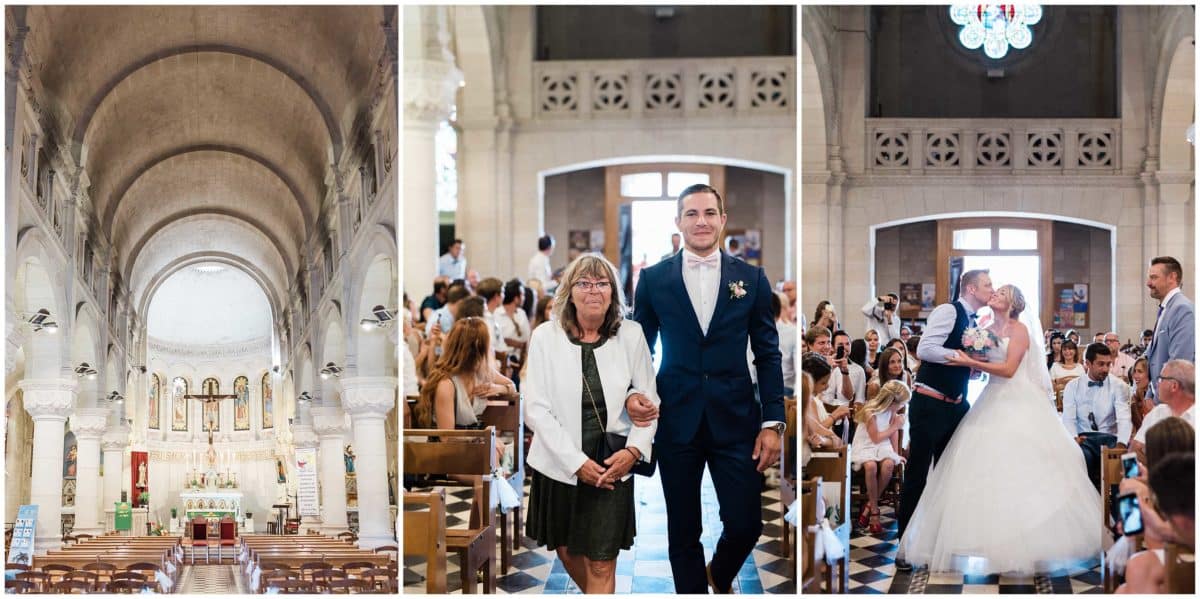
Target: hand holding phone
[1129, 465]
[1131, 514]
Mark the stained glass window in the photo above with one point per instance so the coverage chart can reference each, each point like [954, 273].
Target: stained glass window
[996, 27]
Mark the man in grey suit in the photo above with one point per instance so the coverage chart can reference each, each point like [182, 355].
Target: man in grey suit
[1174, 328]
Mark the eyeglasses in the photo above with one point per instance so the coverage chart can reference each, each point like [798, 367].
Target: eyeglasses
[587, 286]
[1162, 378]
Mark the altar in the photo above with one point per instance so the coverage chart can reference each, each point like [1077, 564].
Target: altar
[211, 503]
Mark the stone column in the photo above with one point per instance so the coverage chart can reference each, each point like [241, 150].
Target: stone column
[88, 425]
[48, 402]
[430, 83]
[368, 401]
[329, 424]
[114, 443]
[303, 437]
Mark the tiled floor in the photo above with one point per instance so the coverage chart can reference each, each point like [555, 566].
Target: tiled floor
[642, 569]
[872, 570]
[210, 580]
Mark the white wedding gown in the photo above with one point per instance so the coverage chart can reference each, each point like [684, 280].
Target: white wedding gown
[1010, 493]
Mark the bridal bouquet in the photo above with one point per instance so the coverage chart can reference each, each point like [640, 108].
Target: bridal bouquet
[978, 341]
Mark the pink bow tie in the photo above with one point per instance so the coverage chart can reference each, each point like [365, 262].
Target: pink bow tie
[712, 260]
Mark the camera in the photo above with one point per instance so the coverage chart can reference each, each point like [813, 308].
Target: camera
[889, 305]
[1129, 465]
[1131, 514]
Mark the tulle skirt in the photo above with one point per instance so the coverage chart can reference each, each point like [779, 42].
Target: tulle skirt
[1010, 493]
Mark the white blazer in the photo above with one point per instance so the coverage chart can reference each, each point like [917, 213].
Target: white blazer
[553, 389]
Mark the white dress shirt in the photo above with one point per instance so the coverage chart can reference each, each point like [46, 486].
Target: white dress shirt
[1122, 362]
[512, 327]
[1108, 403]
[498, 344]
[877, 321]
[1161, 412]
[703, 284]
[858, 382]
[449, 266]
[937, 329]
[787, 347]
[539, 268]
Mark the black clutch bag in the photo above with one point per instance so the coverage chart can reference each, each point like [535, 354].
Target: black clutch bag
[614, 442]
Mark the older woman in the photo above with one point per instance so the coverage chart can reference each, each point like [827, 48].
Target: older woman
[580, 368]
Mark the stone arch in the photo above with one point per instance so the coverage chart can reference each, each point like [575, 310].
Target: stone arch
[85, 335]
[36, 286]
[376, 350]
[334, 339]
[1178, 108]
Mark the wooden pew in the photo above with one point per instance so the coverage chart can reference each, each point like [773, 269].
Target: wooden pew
[789, 459]
[833, 467]
[469, 453]
[1180, 564]
[506, 414]
[1110, 474]
[810, 571]
[425, 535]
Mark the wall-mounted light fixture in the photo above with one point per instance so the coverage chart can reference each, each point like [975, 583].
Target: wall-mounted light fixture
[384, 318]
[40, 321]
[85, 370]
[304, 397]
[115, 397]
[331, 369]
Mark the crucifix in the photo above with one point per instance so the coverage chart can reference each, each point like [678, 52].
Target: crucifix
[205, 399]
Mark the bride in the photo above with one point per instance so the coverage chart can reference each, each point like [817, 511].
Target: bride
[1011, 491]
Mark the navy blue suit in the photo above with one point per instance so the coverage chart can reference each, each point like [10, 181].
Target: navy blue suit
[709, 413]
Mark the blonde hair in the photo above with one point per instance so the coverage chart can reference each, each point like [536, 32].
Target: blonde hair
[1016, 300]
[595, 266]
[891, 393]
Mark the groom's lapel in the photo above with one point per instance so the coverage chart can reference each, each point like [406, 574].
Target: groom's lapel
[679, 290]
[728, 264]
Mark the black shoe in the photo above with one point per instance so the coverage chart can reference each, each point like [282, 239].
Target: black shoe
[903, 565]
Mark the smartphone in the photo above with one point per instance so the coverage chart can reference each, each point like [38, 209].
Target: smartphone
[1129, 465]
[1131, 514]
[841, 352]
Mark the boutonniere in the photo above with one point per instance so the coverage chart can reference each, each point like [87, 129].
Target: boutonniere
[737, 290]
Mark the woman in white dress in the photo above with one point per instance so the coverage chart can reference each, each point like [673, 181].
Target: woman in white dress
[876, 445]
[1011, 491]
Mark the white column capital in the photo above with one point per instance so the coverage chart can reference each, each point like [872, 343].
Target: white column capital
[429, 89]
[328, 421]
[49, 399]
[369, 395]
[116, 439]
[304, 436]
[89, 423]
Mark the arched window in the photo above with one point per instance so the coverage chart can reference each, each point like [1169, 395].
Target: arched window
[212, 409]
[996, 27]
[268, 402]
[179, 411]
[241, 404]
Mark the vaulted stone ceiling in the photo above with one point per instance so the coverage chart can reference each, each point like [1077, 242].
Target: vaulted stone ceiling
[205, 130]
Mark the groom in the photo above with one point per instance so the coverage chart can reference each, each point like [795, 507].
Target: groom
[940, 393]
[706, 304]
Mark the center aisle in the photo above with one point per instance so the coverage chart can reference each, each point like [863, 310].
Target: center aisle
[211, 580]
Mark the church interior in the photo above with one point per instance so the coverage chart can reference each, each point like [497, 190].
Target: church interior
[201, 263]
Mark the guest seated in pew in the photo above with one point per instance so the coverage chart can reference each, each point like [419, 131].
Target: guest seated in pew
[819, 423]
[458, 387]
[876, 444]
[1172, 484]
[581, 366]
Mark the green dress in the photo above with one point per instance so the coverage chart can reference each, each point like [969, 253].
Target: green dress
[596, 523]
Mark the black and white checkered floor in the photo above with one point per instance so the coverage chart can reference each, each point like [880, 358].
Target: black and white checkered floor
[210, 580]
[642, 569]
[873, 570]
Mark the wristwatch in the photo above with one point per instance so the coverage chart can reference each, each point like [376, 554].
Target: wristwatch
[779, 428]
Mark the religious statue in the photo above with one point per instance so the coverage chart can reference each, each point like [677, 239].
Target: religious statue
[348, 456]
[141, 480]
[282, 474]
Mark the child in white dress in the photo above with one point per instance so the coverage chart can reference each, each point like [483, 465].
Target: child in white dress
[876, 445]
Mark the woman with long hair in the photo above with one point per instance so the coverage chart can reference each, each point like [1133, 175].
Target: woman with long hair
[458, 385]
[1067, 368]
[825, 316]
[891, 368]
[1138, 379]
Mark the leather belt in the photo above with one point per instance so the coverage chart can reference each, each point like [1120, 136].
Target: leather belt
[928, 391]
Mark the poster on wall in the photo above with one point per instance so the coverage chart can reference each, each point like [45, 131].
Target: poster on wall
[306, 481]
[928, 296]
[21, 550]
[1071, 307]
[910, 300]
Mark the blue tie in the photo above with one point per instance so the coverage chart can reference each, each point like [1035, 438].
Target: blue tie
[1095, 383]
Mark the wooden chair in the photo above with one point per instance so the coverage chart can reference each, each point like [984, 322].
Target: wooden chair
[835, 470]
[788, 457]
[307, 568]
[128, 575]
[200, 538]
[103, 570]
[148, 569]
[228, 538]
[1110, 474]
[425, 535]
[40, 579]
[352, 568]
[12, 566]
[274, 576]
[22, 587]
[127, 586]
[57, 573]
[386, 549]
[293, 586]
[73, 586]
[379, 578]
[810, 571]
[463, 452]
[508, 418]
[1180, 575]
[326, 574]
[345, 586]
[896, 486]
